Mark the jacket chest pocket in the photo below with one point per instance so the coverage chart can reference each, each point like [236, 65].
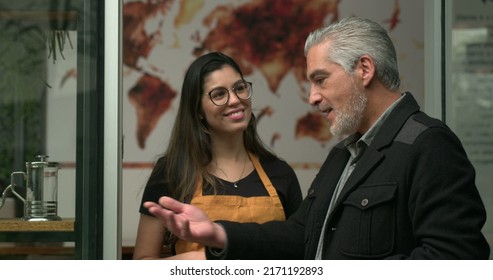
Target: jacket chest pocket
[366, 228]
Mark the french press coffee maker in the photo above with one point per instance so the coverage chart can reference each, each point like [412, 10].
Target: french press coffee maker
[40, 203]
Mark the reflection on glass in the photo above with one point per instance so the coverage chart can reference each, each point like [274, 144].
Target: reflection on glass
[469, 100]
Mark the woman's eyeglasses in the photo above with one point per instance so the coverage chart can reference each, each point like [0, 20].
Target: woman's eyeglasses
[220, 96]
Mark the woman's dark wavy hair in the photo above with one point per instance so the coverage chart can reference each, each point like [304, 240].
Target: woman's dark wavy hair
[189, 150]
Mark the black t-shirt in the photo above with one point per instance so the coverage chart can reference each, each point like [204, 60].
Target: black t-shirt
[279, 172]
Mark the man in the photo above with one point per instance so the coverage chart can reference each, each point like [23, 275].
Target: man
[399, 187]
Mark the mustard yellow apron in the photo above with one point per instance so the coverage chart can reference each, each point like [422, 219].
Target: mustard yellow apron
[258, 209]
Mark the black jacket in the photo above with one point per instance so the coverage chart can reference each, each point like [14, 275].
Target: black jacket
[412, 195]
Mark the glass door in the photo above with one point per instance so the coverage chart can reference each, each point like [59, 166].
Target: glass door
[459, 65]
[469, 87]
[52, 95]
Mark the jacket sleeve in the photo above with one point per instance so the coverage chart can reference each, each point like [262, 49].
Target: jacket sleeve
[445, 207]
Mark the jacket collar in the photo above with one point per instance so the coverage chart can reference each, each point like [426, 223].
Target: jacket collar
[401, 113]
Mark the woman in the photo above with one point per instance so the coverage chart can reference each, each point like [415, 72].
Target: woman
[215, 160]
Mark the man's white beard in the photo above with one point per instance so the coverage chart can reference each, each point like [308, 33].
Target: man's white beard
[348, 119]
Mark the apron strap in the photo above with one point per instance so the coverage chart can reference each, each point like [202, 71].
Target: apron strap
[263, 176]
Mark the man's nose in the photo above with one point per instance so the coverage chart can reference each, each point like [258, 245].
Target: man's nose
[313, 96]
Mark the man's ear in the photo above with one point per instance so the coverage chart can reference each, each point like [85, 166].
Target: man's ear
[367, 68]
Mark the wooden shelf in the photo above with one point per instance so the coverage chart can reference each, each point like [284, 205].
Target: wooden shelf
[16, 230]
[17, 225]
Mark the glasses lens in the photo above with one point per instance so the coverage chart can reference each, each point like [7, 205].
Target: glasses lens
[219, 96]
[243, 90]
